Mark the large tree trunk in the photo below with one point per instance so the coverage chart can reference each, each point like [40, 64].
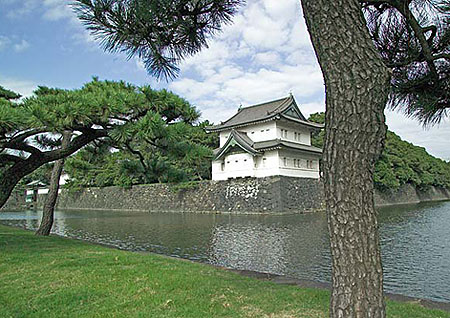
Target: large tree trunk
[357, 87]
[6, 187]
[11, 176]
[50, 201]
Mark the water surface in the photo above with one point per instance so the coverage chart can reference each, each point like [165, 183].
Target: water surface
[415, 241]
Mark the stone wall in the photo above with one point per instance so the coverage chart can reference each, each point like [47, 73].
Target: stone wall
[409, 194]
[265, 195]
[16, 201]
[253, 196]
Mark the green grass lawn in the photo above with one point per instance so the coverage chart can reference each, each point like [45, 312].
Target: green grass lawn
[57, 277]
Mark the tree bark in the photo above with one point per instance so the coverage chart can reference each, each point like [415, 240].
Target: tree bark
[50, 201]
[357, 88]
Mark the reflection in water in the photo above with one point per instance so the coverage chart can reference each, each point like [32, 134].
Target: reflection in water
[415, 241]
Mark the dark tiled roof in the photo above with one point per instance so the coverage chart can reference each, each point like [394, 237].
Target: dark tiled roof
[262, 145]
[257, 148]
[255, 113]
[241, 139]
[304, 122]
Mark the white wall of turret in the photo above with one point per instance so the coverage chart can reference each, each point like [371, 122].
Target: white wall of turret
[270, 163]
[291, 133]
[260, 132]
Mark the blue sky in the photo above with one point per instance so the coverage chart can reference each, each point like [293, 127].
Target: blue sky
[265, 54]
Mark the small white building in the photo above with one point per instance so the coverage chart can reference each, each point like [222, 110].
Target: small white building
[269, 139]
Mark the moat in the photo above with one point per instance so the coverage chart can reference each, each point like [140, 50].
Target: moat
[415, 241]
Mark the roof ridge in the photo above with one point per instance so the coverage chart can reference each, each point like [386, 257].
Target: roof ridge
[268, 102]
[287, 99]
[242, 108]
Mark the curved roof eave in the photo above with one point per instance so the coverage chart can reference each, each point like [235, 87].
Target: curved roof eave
[240, 142]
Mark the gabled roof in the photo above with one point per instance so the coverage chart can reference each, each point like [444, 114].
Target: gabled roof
[285, 107]
[278, 143]
[239, 139]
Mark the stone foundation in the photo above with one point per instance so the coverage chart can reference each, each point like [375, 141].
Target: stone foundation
[251, 196]
[271, 195]
[16, 201]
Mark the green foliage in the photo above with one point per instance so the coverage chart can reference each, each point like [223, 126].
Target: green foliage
[189, 185]
[413, 39]
[42, 174]
[159, 32]
[141, 135]
[318, 137]
[401, 162]
[6, 94]
[180, 153]
[164, 145]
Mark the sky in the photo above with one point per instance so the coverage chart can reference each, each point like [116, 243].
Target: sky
[264, 55]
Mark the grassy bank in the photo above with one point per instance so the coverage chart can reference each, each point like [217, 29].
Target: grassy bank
[57, 277]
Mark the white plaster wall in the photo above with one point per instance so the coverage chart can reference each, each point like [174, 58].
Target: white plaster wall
[223, 137]
[305, 133]
[303, 171]
[236, 165]
[269, 166]
[45, 191]
[259, 132]
[258, 166]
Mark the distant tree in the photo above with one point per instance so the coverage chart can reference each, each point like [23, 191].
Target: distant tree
[318, 136]
[120, 112]
[400, 163]
[50, 200]
[187, 157]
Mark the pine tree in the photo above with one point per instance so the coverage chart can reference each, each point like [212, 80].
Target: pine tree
[137, 119]
[397, 54]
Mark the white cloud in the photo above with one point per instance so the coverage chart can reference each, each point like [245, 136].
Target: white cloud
[266, 54]
[139, 64]
[18, 46]
[23, 87]
[283, 11]
[4, 42]
[267, 58]
[57, 10]
[253, 60]
[20, 8]
[21, 46]
[435, 139]
[49, 9]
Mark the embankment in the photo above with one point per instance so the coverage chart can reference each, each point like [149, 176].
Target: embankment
[252, 196]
